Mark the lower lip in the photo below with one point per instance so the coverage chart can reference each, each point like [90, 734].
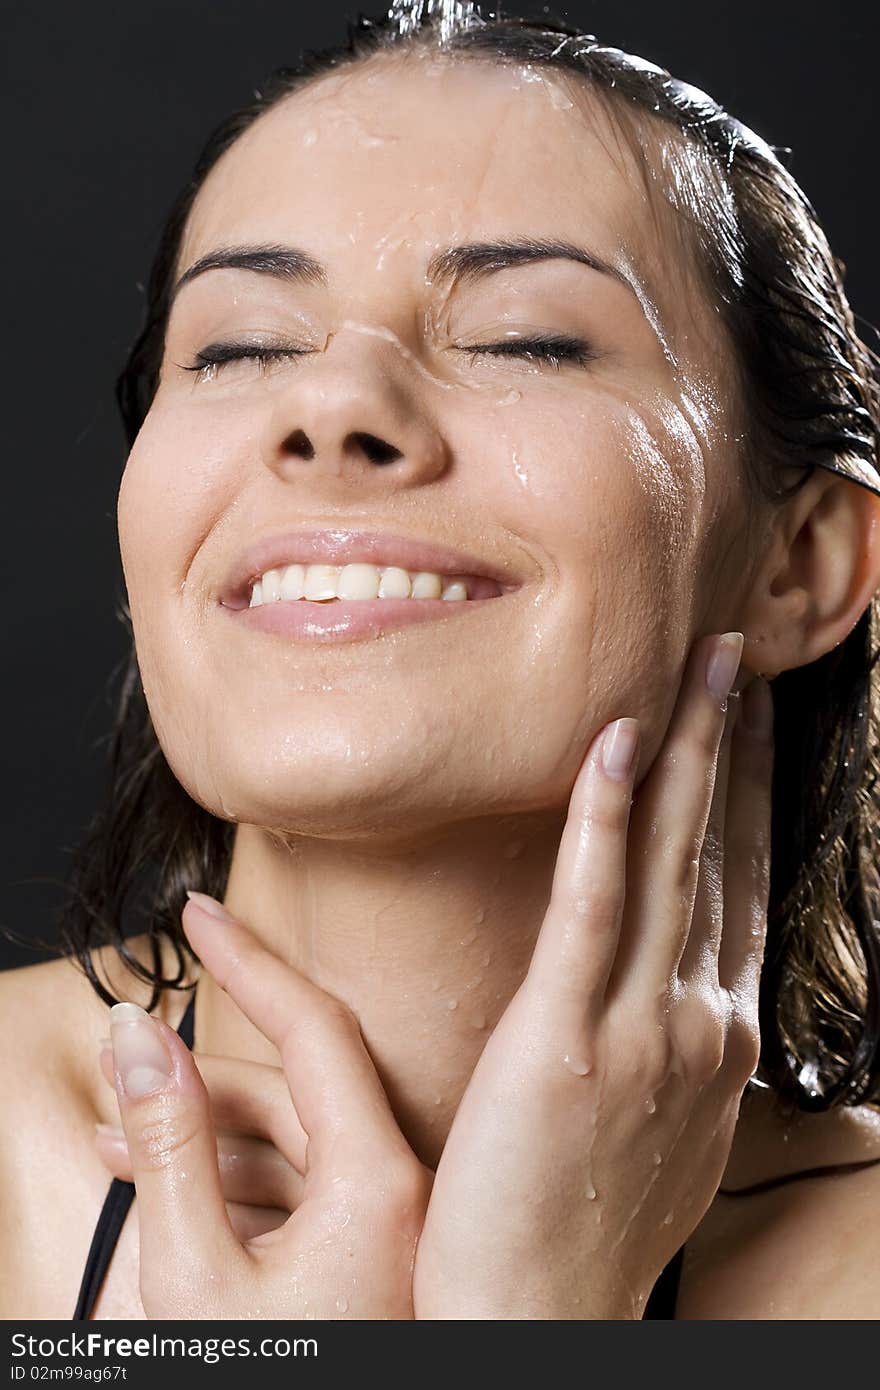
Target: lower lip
[338, 620]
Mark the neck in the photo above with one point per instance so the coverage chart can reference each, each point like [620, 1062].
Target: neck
[427, 942]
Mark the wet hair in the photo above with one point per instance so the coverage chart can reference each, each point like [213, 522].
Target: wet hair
[810, 397]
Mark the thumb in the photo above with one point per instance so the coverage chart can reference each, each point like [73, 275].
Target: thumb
[166, 1115]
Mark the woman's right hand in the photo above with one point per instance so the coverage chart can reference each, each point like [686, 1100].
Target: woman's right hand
[261, 1145]
[348, 1248]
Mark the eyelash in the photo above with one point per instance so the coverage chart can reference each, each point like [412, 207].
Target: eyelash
[551, 348]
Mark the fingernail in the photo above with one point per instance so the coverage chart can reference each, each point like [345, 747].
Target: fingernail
[104, 1045]
[139, 1054]
[723, 664]
[111, 1131]
[757, 710]
[209, 905]
[619, 748]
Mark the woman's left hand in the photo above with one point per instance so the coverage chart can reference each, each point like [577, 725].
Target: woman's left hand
[596, 1126]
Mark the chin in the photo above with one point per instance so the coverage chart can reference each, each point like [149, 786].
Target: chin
[331, 780]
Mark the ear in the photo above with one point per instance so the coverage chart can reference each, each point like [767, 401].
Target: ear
[820, 569]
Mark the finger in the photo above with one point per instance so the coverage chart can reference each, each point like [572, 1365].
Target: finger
[184, 1227]
[700, 956]
[334, 1086]
[246, 1098]
[747, 847]
[576, 945]
[252, 1171]
[669, 822]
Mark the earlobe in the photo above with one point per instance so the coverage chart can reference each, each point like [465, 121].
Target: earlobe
[820, 573]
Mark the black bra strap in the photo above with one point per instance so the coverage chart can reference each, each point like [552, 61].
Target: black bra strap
[113, 1213]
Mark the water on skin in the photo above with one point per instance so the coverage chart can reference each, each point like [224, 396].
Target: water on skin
[577, 1064]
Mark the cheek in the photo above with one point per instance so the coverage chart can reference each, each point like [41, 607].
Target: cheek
[180, 475]
[598, 481]
[612, 495]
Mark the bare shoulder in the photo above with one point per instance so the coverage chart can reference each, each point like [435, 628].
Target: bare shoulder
[52, 1020]
[52, 1094]
[805, 1249]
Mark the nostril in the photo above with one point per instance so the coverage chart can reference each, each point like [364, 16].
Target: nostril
[299, 443]
[376, 450]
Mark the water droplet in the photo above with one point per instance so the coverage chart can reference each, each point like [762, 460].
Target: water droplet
[509, 398]
[520, 472]
[481, 916]
[658, 1158]
[514, 849]
[452, 1003]
[487, 957]
[667, 1220]
[478, 1021]
[579, 1065]
[469, 939]
[435, 984]
[342, 1305]
[651, 1105]
[590, 1192]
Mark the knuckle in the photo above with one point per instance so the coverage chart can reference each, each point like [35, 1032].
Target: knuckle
[743, 1050]
[704, 1042]
[651, 1056]
[341, 1014]
[609, 813]
[402, 1195]
[407, 1184]
[685, 864]
[164, 1133]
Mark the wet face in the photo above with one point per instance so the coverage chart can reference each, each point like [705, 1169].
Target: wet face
[599, 484]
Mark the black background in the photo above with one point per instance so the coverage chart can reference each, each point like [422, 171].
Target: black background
[105, 108]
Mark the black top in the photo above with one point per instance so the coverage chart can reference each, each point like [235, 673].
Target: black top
[661, 1303]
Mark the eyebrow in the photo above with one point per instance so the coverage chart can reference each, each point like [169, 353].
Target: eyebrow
[463, 264]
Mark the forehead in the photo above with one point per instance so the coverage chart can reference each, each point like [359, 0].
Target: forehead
[386, 161]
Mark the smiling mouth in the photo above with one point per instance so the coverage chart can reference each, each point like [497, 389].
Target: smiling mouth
[364, 583]
[347, 603]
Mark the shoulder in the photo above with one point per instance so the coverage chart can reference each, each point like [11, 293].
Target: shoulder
[805, 1249]
[52, 1020]
[52, 1094]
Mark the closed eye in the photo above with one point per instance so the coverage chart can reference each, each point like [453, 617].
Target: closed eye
[550, 348]
[212, 359]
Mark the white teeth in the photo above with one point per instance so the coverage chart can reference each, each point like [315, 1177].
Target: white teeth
[321, 583]
[394, 583]
[271, 586]
[455, 590]
[358, 581]
[292, 582]
[426, 585]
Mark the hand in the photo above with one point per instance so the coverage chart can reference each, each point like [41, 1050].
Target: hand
[256, 1128]
[348, 1248]
[596, 1126]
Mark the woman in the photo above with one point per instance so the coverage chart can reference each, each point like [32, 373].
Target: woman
[448, 323]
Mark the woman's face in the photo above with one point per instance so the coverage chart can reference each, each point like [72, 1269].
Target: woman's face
[606, 489]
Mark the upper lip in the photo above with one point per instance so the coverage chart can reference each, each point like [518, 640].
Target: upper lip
[343, 545]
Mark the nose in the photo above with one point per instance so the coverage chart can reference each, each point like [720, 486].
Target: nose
[352, 412]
